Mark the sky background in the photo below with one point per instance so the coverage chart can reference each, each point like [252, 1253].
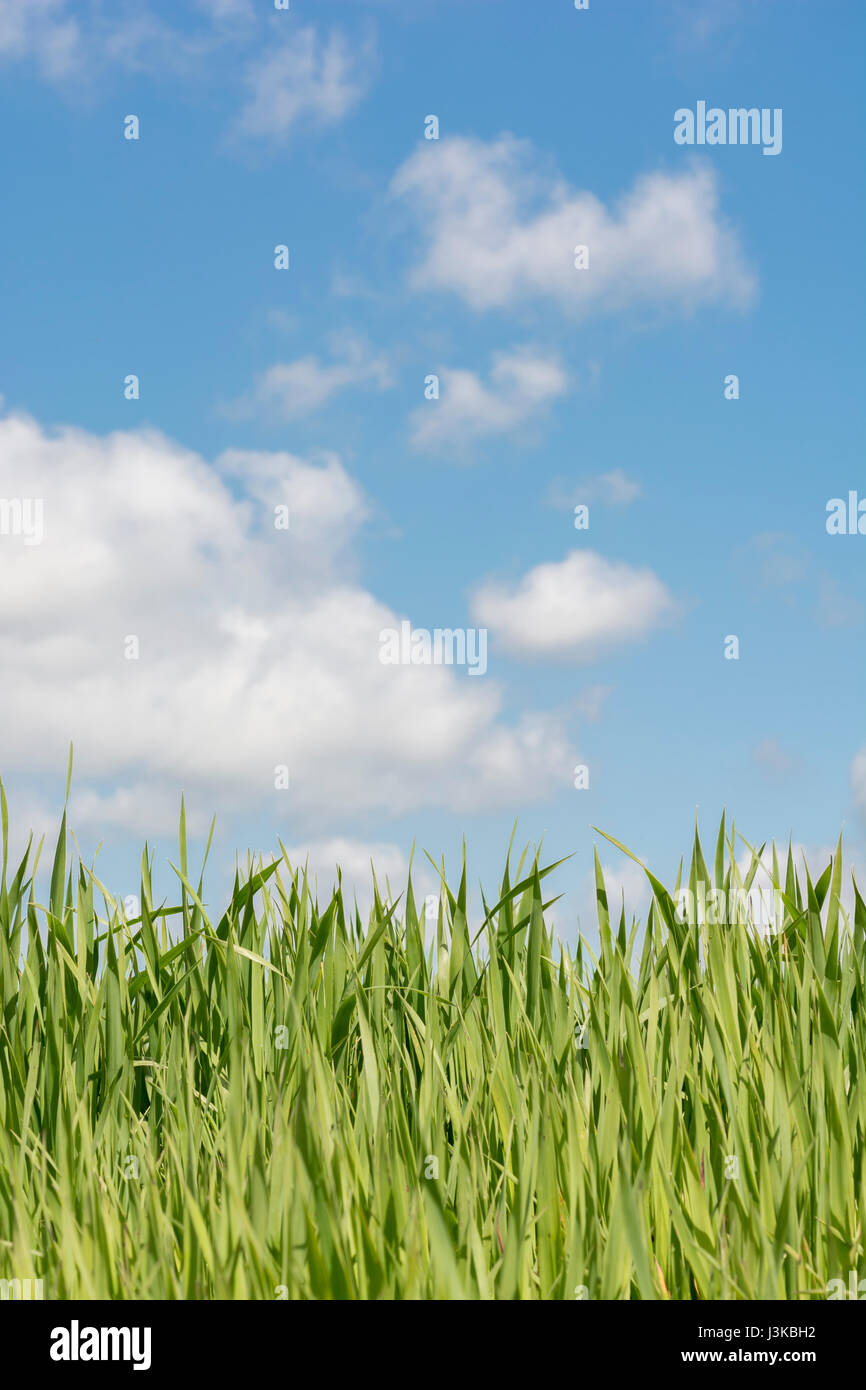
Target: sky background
[305, 387]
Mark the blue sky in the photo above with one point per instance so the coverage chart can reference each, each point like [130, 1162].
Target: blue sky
[409, 257]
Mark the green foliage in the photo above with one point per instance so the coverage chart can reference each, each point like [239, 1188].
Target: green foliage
[289, 1102]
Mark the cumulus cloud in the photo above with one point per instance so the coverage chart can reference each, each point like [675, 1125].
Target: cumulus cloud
[496, 231]
[521, 383]
[305, 79]
[258, 647]
[353, 858]
[574, 608]
[293, 389]
[357, 860]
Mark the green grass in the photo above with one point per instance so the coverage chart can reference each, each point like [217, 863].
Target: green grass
[258, 1105]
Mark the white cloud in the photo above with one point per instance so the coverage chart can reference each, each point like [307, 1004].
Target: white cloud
[627, 880]
[814, 858]
[357, 861]
[42, 30]
[306, 79]
[292, 389]
[613, 488]
[521, 383]
[779, 555]
[773, 759]
[497, 231]
[833, 606]
[258, 646]
[354, 858]
[132, 807]
[779, 561]
[576, 607]
[590, 702]
[625, 885]
[697, 23]
[71, 42]
[227, 11]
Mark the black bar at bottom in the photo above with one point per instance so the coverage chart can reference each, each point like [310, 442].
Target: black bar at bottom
[60, 1340]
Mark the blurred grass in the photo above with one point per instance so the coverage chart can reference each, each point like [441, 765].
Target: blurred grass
[290, 1102]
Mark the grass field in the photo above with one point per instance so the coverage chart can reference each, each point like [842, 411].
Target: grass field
[285, 1101]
